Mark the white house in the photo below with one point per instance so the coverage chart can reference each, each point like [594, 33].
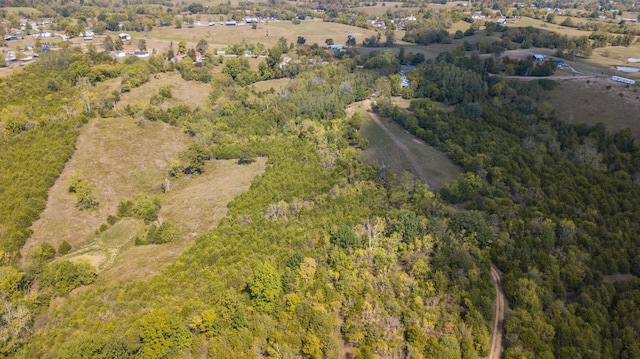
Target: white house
[124, 36]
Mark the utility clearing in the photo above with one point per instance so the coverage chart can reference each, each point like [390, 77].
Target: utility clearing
[393, 147]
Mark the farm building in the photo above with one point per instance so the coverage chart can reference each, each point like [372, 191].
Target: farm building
[336, 47]
[124, 36]
[501, 21]
[538, 57]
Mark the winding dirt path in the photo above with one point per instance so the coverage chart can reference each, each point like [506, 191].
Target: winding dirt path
[498, 322]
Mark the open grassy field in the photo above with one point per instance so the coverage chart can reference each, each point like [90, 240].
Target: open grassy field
[267, 33]
[120, 160]
[435, 165]
[579, 101]
[277, 84]
[191, 93]
[563, 30]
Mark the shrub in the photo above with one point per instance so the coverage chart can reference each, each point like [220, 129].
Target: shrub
[165, 91]
[64, 276]
[64, 248]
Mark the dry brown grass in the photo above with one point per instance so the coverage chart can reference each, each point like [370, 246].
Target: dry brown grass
[277, 84]
[579, 101]
[267, 33]
[119, 160]
[191, 93]
[195, 205]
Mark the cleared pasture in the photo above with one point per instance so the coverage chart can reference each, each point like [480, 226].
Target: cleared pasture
[598, 100]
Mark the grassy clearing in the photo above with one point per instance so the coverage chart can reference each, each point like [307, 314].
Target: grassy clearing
[277, 85]
[577, 101]
[563, 30]
[191, 93]
[382, 7]
[437, 167]
[267, 33]
[119, 160]
[195, 205]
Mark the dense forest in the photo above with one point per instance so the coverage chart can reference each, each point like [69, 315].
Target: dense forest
[561, 200]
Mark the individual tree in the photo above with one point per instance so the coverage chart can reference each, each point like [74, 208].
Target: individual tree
[274, 57]
[118, 44]
[345, 238]
[265, 287]
[163, 334]
[390, 38]
[351, 41]
[64, 247]
[108, 44]
[202, 46]
[142, 44]
[329, 42]
[182, 47]
[301, 40]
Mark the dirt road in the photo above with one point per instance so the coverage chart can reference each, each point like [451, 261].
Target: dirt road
[498, 320]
